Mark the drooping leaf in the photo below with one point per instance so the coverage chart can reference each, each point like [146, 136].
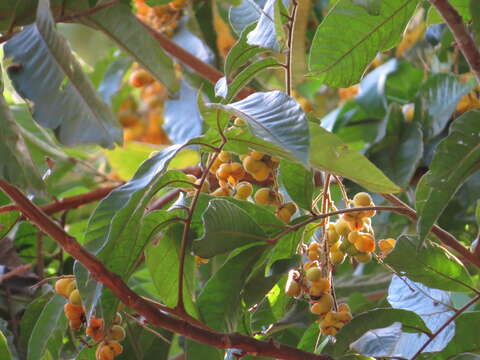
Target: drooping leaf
[456, 158]
[374, 319]
[401, 148]
[219, 301]
[431, 265]
[437, 100]
[113, 232]
[48, 76]
[433, 306]
[245, 14]
[228, 90]
[120, 25]
[298, 182]
[329, 153]
[349, 38]
[45, 327]
[162, 258]
[402, 85]
[275, 117]
[181, 115]
[269, 31]
[227, 227]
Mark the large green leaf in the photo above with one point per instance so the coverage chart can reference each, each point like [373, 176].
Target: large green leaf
[49, 77]
[401, 148]
[162, 260]
[275, 117]
[298, 182]
[349, 38]
[462, 6]
[431, 265]
[45, 327]
[5, 353]
[436, 101]
[465, 340]
[219, 301]
[329, 153]
[227, 227]
[29, 319]
[456, 158]
[114, 230]
[374, 319]
[120, 24]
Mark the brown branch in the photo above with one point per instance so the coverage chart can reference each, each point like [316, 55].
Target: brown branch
[288, 64]
[71, 202]
[118, 287]
[464, 40]
[445, 324]
[16, 271]
[444, 236]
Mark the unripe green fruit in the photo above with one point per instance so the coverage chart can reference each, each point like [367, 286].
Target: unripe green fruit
[349, 248]
[314, 274]
[337, 257]
[342, 228]
[75, 298]
[362, 199]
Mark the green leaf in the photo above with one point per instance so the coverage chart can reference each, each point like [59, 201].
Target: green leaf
[269, 32]
[374, 319]
[456, 158]
[120, 24]
[16, 165]
[240, 53]
[401, 149]
[7, 221]
[436, 101]
[372, 6]
[462, 7]
[156, 2]
[349, 38]
[162, 260]
[30, 318]
[475, 12]
[309, 338]
[113, 232]
[465, 339]
[45, 327]
[245, 14]
[331, 154]
[431, 265]
[219, 301]
[275, 117]
[5, 353]
[298, 182]
[227, 227]
[50, 78]
[228, 90]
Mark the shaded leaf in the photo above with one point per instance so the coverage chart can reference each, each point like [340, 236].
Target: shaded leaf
[339, 58]
[45, 327]
[375, 319]
[5, 353]
[379, 343]
[372, 6]
[275, 117]
[227, 227]
[51, 80]
[140, 344]
[245, 14]
[331, 154]
[430, 264]
[219, 301]
[193, 44]
[298, 182]
[269, 31]
[465, 339]
[456, 158]
[462, 7]
[120, 25]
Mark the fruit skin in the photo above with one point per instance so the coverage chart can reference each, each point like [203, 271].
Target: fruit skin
[75, 298]
[332, 235]
[363, 257]
[341, 227]
[262, 174]
[257, 155]
[343, 307]
[221, 192]
[263, 196]
[386, 246]
[251, 165]
[104, 352]
[321, 286]
[283, 214]
[337, 257]
[62, 286]
[116, 333]
[205, 186]
[323, 305]
[365, 244]
[314, 274]
[95, 329]
[292, 287]
[140, 78]
[362, 199]
[224, 156]
[243, 190]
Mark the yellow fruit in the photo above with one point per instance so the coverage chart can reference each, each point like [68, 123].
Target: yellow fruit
[343, 307]
[62, 286]
[341, 227]
[313, 255]
[216, 164]
[140, 78]
[291, 207]
[239, 122]
[363, 257]
[104, 352]
[330, 330]
[262, 174]
[221, 192]
[314, 246]
[224, 171]
[314, 274]
[337, 257]
[118, 319]
[343, 316]
[75, 298]
[362, 199]
[325, 304]
[292, 287]
[366, 243]
[224, 156]
[264, 196]
[354, 236]
[332, 235]
[95, 329]
[386, 246]
[257, 155]
[319, 287]
[283, 214]
[116, 333]
[243, 190]
[251, 165]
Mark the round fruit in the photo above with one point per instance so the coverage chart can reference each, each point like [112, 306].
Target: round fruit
[291, 207]
[319, 287]
[292, 287]
[256, 155]
[325, 304]
[332, 235]
[337, 257]
[330, 330]
[75, 298]
[341, 227]
[221, 192]
[117, 333]
[73, 311]
[251, 165]
[224, 171]
[354, 236]
[366, 243]
[362, 199]
[104, 352]
[140, 78]
[75, 324]
[283, 214]
[115, 346]
[262, 174]
[343, 316]
[386, 245]
[62, 286]
[363, 257]
[314, 274]
[224, 156]
[343, 307]
[263, 196]
[243, 190]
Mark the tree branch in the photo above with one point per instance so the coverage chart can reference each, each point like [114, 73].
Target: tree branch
[462, 37]
[118, 287]
[444, 236]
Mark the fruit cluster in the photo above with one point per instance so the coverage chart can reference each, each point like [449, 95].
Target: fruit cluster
[108, 340]
[352, 234]
[163, 18]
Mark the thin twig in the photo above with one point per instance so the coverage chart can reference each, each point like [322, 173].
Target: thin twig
[15, 272]
[288, 64]
[445, 324]
[146, 328]
[463, 38]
